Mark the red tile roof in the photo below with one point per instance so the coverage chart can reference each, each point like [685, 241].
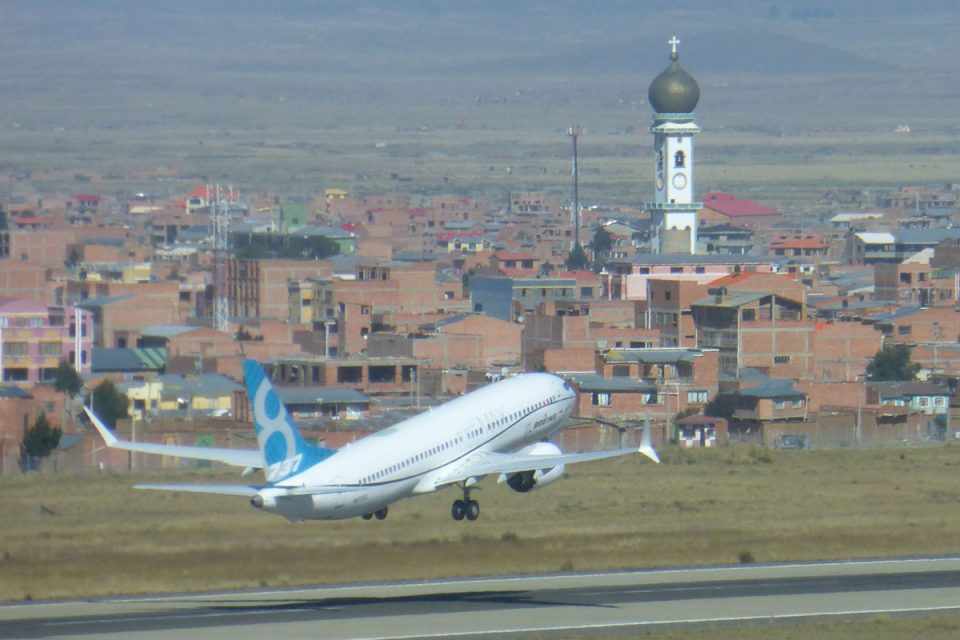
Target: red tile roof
[732, 207]
[200, 192]
[733, 278]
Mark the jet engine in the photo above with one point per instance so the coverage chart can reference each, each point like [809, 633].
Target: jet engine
[525, 481]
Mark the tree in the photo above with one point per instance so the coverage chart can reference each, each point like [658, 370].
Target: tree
[39, 441]
[577, 259]
[68, 382]
[66, 379]
[722, 406]
[109, 404]
[892, 363]
[602, 244]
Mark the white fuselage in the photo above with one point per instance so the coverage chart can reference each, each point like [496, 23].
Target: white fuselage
[399, 461]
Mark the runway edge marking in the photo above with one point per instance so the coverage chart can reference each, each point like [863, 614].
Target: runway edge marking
[653, 623]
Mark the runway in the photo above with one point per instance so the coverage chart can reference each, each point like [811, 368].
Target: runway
[488, 607]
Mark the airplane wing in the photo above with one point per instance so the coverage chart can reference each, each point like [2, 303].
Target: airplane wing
[220, 489]
[487, 462]
[249, 458]
[250, 490]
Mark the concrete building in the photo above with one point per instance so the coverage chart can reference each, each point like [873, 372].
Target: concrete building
[35, 338]
[627, 280]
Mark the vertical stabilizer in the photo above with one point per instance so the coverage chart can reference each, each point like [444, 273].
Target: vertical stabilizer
[285, 452]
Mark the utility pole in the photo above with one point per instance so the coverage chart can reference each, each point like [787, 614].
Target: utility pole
[574, 132]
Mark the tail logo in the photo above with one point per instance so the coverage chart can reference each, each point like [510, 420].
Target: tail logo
[275, 433]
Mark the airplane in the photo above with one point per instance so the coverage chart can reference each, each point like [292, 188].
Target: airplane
[499, 429]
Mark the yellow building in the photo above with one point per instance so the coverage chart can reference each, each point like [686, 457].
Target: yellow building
[208, 394]
[334, 194]
[301, 294]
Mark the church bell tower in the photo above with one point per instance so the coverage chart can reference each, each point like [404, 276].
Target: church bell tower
[674, 95]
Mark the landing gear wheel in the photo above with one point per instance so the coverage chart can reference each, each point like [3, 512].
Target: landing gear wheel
[458, 510]
[367, 516]
[381, 513]
[473, 510]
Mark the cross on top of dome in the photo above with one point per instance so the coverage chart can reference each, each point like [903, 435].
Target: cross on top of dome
[673, 42]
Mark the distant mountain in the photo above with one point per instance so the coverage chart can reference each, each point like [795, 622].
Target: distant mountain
[722, 51]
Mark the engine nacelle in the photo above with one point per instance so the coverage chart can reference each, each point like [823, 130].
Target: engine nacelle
[525, 481]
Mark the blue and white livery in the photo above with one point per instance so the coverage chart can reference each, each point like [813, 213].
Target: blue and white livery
[500, 429]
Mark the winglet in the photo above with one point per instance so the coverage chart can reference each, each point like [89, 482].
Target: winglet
[646, 444]
[104, 430]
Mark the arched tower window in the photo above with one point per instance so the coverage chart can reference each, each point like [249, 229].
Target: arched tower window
[679, 159]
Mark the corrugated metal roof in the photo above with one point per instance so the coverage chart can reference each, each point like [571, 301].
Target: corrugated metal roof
[590, 382]
[128, 360]
[653, 356]
[13, 392]
[773, 388]
[875, 237]
[901, 312]
[730, 300]
[321, 395]
[909, 388]
[167, 330]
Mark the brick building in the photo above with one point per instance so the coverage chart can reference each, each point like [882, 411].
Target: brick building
[766, 331]
[259, 288]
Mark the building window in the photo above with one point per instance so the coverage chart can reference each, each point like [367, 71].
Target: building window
[798, 403]
[699, 270]
[50, 348]
[667, 295]
[15, 349]
[621, 371]
[601, 399]
[781, 359]
[676, 269]
[679, 159]
[923, 401]
[905, 330]
[779, 404]
[697, 397]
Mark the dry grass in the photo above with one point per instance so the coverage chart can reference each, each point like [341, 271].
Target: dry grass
[935, 627]
[68, 536]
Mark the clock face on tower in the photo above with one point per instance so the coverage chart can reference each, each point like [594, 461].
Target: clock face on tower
[679, 181]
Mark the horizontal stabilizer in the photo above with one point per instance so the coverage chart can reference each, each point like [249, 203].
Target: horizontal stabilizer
[220, 489]
[235, 457]
[646, 445]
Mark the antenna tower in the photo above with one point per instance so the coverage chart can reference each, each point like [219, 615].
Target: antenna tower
[220, 220]
[574, 133]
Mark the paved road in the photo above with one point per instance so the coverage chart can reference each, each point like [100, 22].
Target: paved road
[487, 607]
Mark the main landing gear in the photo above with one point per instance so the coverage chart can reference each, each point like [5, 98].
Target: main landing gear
[381, 514]
[466, 508]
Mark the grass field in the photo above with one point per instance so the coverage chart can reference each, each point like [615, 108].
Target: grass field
[935, 627]
[68, 536]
